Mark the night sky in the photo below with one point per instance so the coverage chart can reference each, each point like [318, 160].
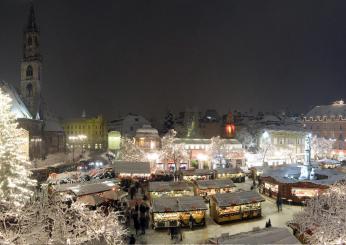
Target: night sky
[146, 57]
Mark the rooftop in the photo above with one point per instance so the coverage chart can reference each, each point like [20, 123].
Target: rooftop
[272, 235]
[291, 173]
[178, 204]
[214, 184]
[165, 186]
[237, 198]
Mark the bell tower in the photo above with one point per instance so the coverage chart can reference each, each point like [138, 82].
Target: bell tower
[30, 78]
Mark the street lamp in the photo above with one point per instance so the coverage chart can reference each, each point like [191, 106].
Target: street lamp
[74, 139]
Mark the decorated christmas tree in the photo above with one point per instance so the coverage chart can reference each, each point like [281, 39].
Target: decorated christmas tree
[15, 182]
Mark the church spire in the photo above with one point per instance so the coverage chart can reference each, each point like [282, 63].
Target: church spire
[32, 26]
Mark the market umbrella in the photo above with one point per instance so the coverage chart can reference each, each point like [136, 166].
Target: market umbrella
[91, 200]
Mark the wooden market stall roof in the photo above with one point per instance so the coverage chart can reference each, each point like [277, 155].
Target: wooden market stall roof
[131, 167]
[87, 188]
[178, 204]
[196, 172]
[165, 186]
[214, 184]
[237, 198]
[272, 235]
[229, 170]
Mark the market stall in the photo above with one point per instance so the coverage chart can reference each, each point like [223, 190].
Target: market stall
[235, 206]
[132, 170]
[237, 175]
[171, 188]
[284, 181]
[196, 174]
[178, 211]
[206, 188]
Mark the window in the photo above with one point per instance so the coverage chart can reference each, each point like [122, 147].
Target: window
[29, 71]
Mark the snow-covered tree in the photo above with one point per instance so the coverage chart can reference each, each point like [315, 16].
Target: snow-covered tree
[15, 181]
[129, 151]
[56, 221]
[172, 152]
[246, 138]
[321, 147]
[323, 220]
[218, 151]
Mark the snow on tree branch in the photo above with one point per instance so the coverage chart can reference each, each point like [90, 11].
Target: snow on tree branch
[323, 220]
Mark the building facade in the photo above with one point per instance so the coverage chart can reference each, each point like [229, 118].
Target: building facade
[93, 130]
[128, 125]
[147, 138]
[329, 121]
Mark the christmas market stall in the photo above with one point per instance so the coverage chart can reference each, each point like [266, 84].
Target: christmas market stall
[272, 235]
[132, 170]
[206, 188]
[286, 181]
[237, 175]
[235, 206]
[178, 211]
[92, 193]
[171, 188]
[196, 174]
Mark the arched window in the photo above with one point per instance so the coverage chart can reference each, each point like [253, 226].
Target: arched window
[29, 41]
[36, 41]
[29, 71]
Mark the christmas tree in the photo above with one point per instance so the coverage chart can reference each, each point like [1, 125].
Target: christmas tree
[15, 182]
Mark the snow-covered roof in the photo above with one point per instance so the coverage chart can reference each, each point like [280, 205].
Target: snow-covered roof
[229, 170]
[237, 198]
[86, 188]
[131, 167]
[272, 235]
[166, 186]
[18, 107]
[335, 110]
[291, 173]
[178, 204]
[214, 184]
[196, 172]
[146, 129]
[270, 118]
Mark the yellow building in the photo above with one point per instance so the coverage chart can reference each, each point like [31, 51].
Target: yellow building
[89, 133]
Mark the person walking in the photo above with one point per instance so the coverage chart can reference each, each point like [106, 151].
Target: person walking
[136, 225]
[191, 221]
[143, 224]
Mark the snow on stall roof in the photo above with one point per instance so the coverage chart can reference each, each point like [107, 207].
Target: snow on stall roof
[328, 161]
[229, 170]
[131, 167]
[165, 186]
[214, 183]
[86, 188]
[192, 172]
[237, 198]
[272, 235]
[178, 204]
[282, 174]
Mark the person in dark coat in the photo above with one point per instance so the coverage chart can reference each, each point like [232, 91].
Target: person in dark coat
[136, 225]
[132, 239]
[143, 224]
[191, 221]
